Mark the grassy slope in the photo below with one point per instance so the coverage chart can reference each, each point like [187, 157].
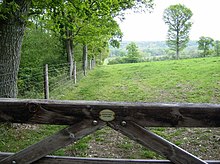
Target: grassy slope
[192, 80]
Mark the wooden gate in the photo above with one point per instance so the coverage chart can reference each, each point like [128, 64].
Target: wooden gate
[85, 117]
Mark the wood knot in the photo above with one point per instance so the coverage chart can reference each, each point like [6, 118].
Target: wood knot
[33, 108]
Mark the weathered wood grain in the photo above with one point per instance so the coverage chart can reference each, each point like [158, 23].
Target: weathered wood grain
[145, 114]
[79, 160]
[54, 142]
[156, 143]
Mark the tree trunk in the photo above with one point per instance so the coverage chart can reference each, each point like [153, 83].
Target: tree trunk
[177, 52]
[177, 45]
[11, 34]
[85, 59]
[69, 49]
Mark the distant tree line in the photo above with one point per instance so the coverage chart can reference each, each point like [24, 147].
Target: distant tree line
[157, 51]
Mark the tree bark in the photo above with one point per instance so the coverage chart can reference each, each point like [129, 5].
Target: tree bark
[85, 59]
[177, 45]
[11, 34]
[177, 52]
[69, 49]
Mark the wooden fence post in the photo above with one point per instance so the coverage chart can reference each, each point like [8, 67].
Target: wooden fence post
[90, 64]
[85, 59]
[46, 82]
[74, 72]
[94, 62]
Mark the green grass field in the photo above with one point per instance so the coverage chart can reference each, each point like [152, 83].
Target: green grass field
[191, 80]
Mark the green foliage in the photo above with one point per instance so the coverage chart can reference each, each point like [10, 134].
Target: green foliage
[78, 22]
[133, 55]
[153, 51]
[205, 44]
[7, 9]
[177, 17]
[217, 48]
[39, 47]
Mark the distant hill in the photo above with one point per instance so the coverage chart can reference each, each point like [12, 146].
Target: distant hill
[151, 48]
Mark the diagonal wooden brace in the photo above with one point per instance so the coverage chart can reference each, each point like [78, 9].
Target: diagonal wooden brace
[54, 142]
[156, 143]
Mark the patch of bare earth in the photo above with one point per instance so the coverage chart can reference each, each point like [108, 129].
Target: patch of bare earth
[201, 142]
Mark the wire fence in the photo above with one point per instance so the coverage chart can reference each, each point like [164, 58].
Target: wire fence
[31, 80]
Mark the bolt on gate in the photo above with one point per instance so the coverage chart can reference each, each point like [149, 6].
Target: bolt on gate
[85, 117]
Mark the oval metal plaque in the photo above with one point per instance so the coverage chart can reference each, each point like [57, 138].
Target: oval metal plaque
[107, 115]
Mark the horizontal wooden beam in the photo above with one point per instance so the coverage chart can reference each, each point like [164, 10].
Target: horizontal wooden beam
[78, 160]
[145, 114]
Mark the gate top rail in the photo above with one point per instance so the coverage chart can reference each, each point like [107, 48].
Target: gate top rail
[63, 112]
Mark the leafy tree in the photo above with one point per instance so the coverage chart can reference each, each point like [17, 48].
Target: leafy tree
[133, 55]
[13, 20]
[33, 58]
[217, 48]
[117, 52]
[205, 44]
[50, 51]
[177, 17]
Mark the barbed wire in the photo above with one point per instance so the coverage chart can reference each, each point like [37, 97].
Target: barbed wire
[58, 82]
[55, 92]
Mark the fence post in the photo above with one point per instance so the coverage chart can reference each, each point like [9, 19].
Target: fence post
[85, 58]
[74, 72]
[94, 62]
[46, 82]
[90, 64]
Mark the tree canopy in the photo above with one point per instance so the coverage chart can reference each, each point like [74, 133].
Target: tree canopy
[217, 48]
[177, 17]
[133, 54]
[205, 44]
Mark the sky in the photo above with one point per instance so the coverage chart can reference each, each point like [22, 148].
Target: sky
[151, 27]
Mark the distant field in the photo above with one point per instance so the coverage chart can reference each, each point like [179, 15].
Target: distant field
[191, 80]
